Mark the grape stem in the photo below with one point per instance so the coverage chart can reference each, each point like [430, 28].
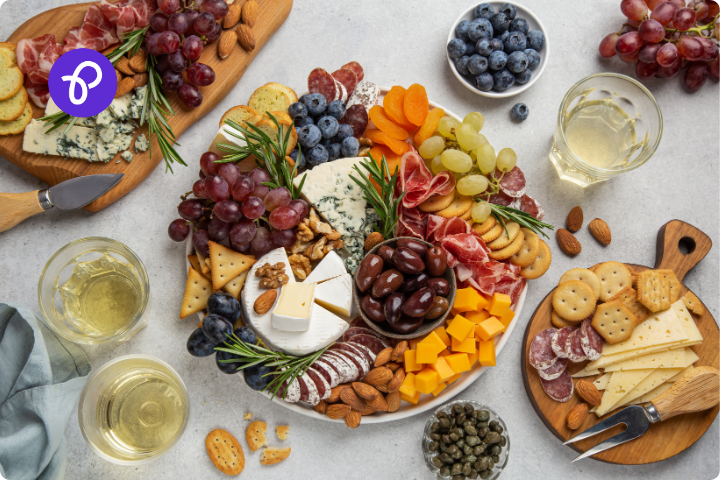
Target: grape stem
[699, 29]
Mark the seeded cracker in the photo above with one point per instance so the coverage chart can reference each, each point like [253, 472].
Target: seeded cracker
[574, 300]
[614, 276]
[234, 286]
[273, 455]
[653, 291]
[693, 303]
[197, 291]
[225, 452]
[614, 321]
[628, 297]
[255, 435]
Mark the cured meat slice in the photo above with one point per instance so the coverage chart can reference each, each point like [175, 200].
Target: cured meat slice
[354, 372]
[347, 78]
[356, 68]
[362, 367]
[328, 372]
[126, 21]
[357, 322]
[372, 342]
[439, 228]
[591, 341]
[418, 182]
[345, 372]
[323, 387]
[366, 94]
[558, 341]
[501, 199]
[411, 222]
[551, 373]
[313, 397]
[340, 92]
[531, 206]
[89, 36]
[573, 347]
[352, 331]
[39, 93]
[304, 392]
[347, 347]
[94, 16]
[541, 354]
[28, 50]
[512, 183]
[293, 392]
[560, 389]
[367, 353]
[143, 10]
[357, 117]
[320, 81]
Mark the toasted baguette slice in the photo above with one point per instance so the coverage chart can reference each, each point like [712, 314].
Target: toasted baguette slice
[9, 49]
[286, 90]
[13, 107]
[239, 114]
[11, 80]
[269, 99]
[279, 116]
[14, 127]
[269, 127]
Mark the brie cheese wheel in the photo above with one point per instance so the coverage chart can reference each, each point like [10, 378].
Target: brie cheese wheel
[294, 308]
[330, 266]
[336, 295]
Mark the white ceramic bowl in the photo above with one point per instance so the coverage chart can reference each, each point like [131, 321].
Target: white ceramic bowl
[534, 24]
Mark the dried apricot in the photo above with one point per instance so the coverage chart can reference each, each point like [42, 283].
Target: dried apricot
[429, 125]
[385, 124]
[392, 158]
[393, 103]
[416, 105]
[397, 146]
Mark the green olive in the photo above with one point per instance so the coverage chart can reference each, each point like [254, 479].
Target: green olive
[437, 462]
[491, 437]
[503, 441]
[433, 446]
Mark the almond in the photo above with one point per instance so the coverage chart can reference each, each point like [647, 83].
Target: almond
[600, 230]
[378, 376]
[110, 49]
[321, 407]
[349, 397]
[250, 13]
[392, 366]
[140, 79]
[378, 403]
[352, 419]
[365, 391]
[337, 411]
[577, 416]
[574, 219]
[226, 43]
[373, 239]
[124, 87]
[397, 380]
[399, 351]
[383, 357]
[123, 64]
[393, 401]
[568, 243]
[138, 62]
[588, 392]
[118, 75]
[245, 37]
[335, 393]
[368, 410]
[265, 301]
[233, 16]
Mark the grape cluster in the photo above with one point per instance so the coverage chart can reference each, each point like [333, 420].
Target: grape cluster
[664, 37]
[460, 148]
[176, 37]
[232, 206]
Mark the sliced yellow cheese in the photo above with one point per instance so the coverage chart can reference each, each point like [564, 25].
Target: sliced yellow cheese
[601, 383]
[606, 360]
[648, 397]
[620, 384]
[650, 383]
[694, 335]
[667, 359]
[682, 372]
[659, 328]
[585, 373]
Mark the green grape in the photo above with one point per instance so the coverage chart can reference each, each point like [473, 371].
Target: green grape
[445, 126]
[436, 165]
[483, 139]
[481, 211]
[506, 159]
[431, 147]
[472, 185]
[485, 155]
[456, 161]
[467, 137]
[475, 119]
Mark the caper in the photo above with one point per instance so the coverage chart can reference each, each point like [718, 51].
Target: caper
[457, 409]
[470, 458]
[435, 427]
[437, 462]
[476, 466]
[467, 450]
[444, 471]
[452, 422]
[445, 457]
[466, 469]
[494, 424]
[433, 446]
[472, 422]
[485, 474]
[446, 439]
[483, 415]
[491, 437]
[460, 419]
[467, 423]
[496, 459]
[458, 477]
[435, 436]
[473, 474]
[443, 447]
[491, 462]
[460, 443]
[478, 450]
[470, 430]
[469, 408]
[457, 455]
[444, 422]
[441, 414]
[499, 429]
[455, 437]
[457, 431]
[495, 450]
[485, 463]
[503, 441]
[472, 440]
[456, 469]
[452, 449]
[483, 431]
[481, 424]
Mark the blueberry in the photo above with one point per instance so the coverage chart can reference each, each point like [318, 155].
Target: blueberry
[317, 155]
[304, 121]
[297, 111]
[497, 44]
[333, 151]
[497, 61]
[350, 147]
[462, 65]
[462, 30]
[225, 305]
[294, 154]
[477, 64]
[509, 10]
[519, 112]
[503, 36]
[503, 80]
[517, 62]
[344, 131]
[198, 345]
[258, 377]
[533, 58]
[536, 40]
[315, 103]
[484, 10]
[519, 25]
[456, 48]
[523, 77]
[216, 328]
[326, 141]
[245, 335]
[480, 28]
[515, 42]
[484, 82]
[301, 161]
[227, 367]
[336, 108]
[309, 136]
[328, 126]
[500, 23]
[484, 47]
[469, 48]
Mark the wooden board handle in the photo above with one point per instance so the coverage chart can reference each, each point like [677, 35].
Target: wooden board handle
[697, 390]
[680, 247]
[16, 207]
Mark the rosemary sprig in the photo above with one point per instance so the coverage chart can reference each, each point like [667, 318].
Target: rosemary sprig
[502, 213]
[382, 202]
[287, 367]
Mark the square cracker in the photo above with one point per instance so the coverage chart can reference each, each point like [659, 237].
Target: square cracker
[226, 264]
[653, 290]
[204, 268]
[197, 291]
[693, 303]
[675, 285]
[628, 296]
[234, 286]
[614, 321]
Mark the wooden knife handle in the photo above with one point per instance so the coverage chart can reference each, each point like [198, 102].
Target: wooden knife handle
[16, 207]
[697, 390]
[680, 247]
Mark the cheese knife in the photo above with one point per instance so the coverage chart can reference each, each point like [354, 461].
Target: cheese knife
[697, 390]
[68, 195]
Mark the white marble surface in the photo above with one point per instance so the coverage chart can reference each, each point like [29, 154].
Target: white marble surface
[396, 42]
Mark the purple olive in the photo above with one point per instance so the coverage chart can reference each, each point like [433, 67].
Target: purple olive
[413, 283]
[436, 261]
[387, 282]
[440, 285]
[406, 324]
[386, 252]
[393, 307]
[420, 302]
[407, 261]
[372, 308]
[413, 245]
[369, 270]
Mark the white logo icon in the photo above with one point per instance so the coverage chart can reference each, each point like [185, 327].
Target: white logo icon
[73, 79]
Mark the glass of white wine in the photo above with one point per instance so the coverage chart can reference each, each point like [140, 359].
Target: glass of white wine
[94, 290]
[608, 124]
[133, 409]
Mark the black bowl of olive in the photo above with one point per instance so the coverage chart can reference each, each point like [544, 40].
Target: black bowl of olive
[404, 288]
[465, 440]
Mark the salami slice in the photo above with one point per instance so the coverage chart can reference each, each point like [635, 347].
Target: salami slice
[573, 347]
[364, 351]
[340, 92]
[347, 347]
[344, 371]
[313, 396]
[320, 81]
[352, 331]
[328, 372]
[591, 341]
[353, 373]
[357, 117]
[531, 206]
[347, 78]
[356, 361]
[512, 183]
[558, 341]
[323, 388]
[551, 373]
[373, 343]
[560, 389]
[304, 390]
[356, 68]
[501, 199]
[358, 322]
[365, 94]
[541, 354]
[293, 392]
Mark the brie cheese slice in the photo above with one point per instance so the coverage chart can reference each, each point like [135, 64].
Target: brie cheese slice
[295, 307]
[329, 267]
[336, 295]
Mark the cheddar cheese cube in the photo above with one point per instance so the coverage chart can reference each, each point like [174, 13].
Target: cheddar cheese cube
[426, 353]
[434, 340]
[499, 304]
[407, 387]
[486, 353]
[439, 389]
[467, 300]
[411, 364]
[459, 328]
[484, 302]
[477, 317]
[453, 378]
[472, 357]
[414, 399]
[459, 362]
[426, 381]
[453, 313]
[488, 329]
[507, 318]
[466, 346]
[412, 344]
[442, 334]
[442, 368]
[444, 353]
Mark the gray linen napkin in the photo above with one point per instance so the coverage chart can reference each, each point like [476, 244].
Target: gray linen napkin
[41, 377]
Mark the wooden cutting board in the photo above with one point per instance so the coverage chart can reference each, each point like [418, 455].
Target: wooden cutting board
[680, 247]
[53, 169]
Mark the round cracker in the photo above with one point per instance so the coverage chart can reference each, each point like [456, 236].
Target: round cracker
[584, 275]
[484, 227]
[13, 107]
[540, 265]
[560, 322]
[574, 300]
[614, 276]
[468, 215]
[11, 78]
[18, 125]
[458, 206]
[492, 234]
[510, 250]
[510, 232]
[528, 251]
[437, 202]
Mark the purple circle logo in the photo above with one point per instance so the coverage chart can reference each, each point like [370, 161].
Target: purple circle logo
[82, 82]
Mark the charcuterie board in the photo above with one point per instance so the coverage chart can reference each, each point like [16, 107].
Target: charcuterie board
[680, 247]
[53, 169]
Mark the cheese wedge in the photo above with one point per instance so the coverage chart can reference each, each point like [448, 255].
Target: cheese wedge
[659, 328]
[336, 295]
[652, 394]
[331, 266]
[682, 372]
[667, 359]
[650, 383]
[585, 373]
[694, 335]
[601, 383]
[620, 384]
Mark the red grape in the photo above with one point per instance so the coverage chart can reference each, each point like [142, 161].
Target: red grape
[228, 211]
[634, 9]
[300, 206]
[696, 75]
[653, 4]
[684, 19]
[651, 31]
[710, 49]
[217, 188]
[199, 188]
[207, 163]
[168, 41]
[153, 45]
[192, 47]
[178, 230]
[646, 70]
[218, 230]
[261, 243]
[177, 23]
[202, 224]
[163, 65]
[218, 8]
[277, 197]
[671, 71]
[190, 16]
[200, 74]
[191, 209]
[204, 23]
[632, 58]
[253, 207]
[714, 67]
[158, 22]
[667, 55]
[690, 48]
[172, 81]
[201, 174]
[242, 232]
[259, 176]
[714, 9]
[679, 3]
[241, 248]
[648, 52]
[242, 188]
[169, 6]
[283, 218]
[283, 238]
[628, 43]
[701, 10]
[200, 242]
[633, 24]
[230, 172]
[190, 95]
[214, 33]
[177, 61]
[664, 12]
[607, 45]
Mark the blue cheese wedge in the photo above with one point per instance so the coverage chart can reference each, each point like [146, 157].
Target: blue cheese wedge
[142, 144]
[137, 102]
[52, 109]
[79, 142]
[127, 156]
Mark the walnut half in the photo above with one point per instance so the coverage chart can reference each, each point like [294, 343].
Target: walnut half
[300, 265]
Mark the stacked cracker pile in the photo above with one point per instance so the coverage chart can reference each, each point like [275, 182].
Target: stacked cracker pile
[15, 110]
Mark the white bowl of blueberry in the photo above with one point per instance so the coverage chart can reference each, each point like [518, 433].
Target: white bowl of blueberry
[497, 49]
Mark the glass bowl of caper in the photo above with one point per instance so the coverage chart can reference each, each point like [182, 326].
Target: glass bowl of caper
[465, 440]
